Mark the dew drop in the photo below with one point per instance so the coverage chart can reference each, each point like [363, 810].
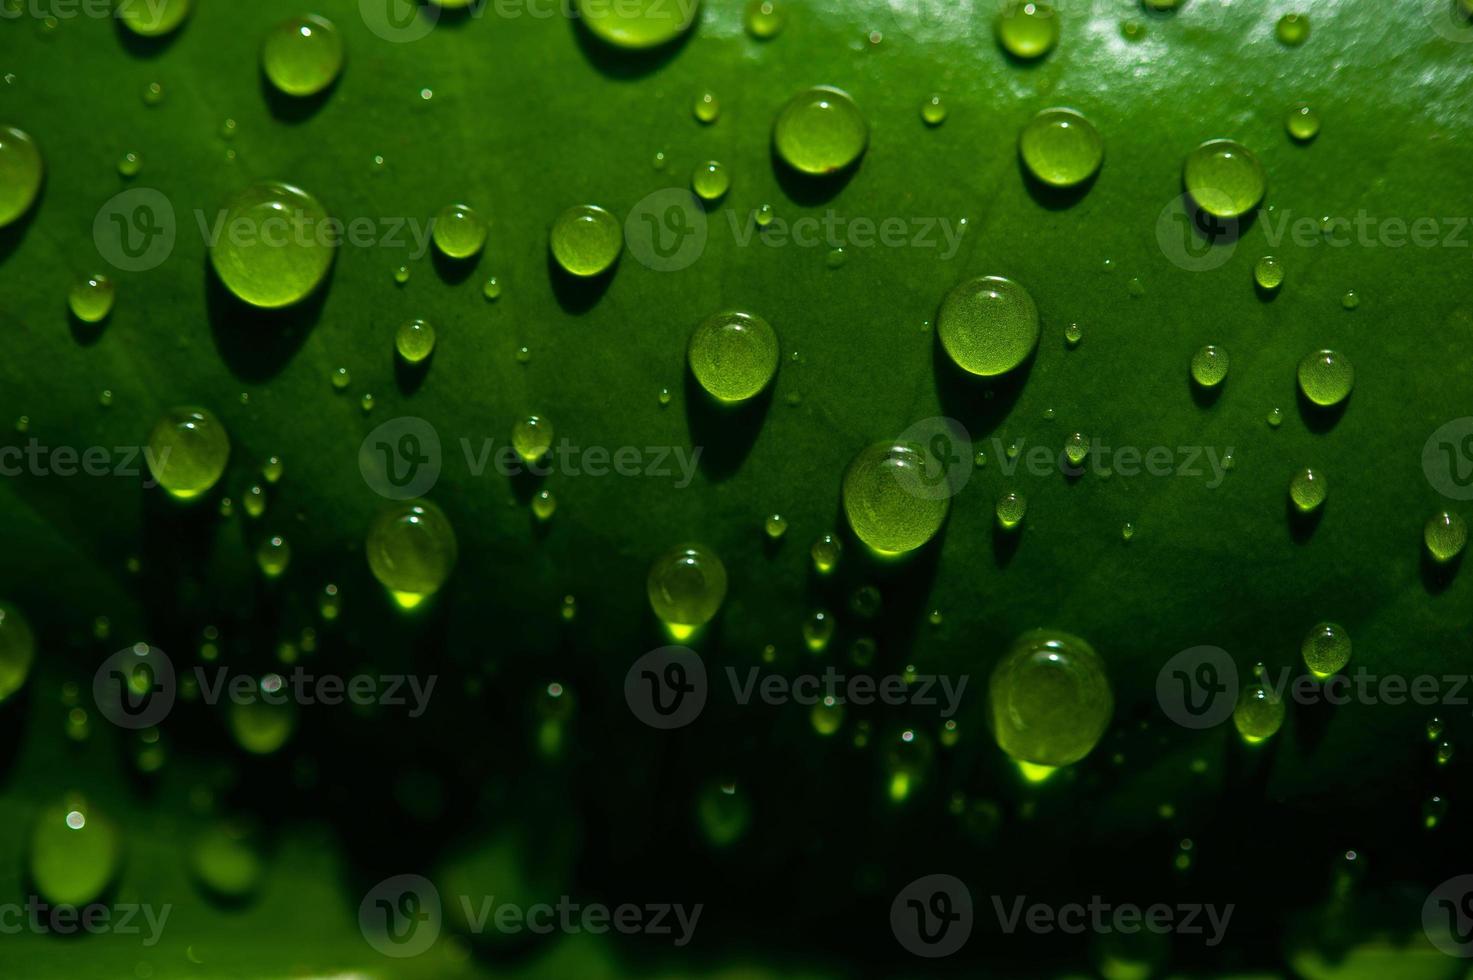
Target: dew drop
[1210, 366]
[637, 24]
[188, 450]
[1011, 508]
[1307, 489]
[988, 326]
[21, 170]
[1268, 273]
[734, 356]
[1224, 178]
[933, 111]
[75, 853]
[711, 181]
[532, 437]
[411, 550]
[459, 232]
[825, 553]
[1292, 29]
[686, 586]
[1303, 123]
[820, 131]
[278, 252]
[764, 19]
[303, 56]
[91, 298]
[586, 240]
[1326, 649]
[1061, 148]
[1445, 535]
[707, 108]
[1050, 699]
[415, 341]
[273, 556]
[888, 501]
[1028, 29]
[818, 629]
[1326, 377]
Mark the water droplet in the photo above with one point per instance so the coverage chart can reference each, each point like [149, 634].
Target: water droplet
[188, 450]
[734, 356]
[1028, 29]
[827, 716]
[1435, 727]
[935, 617]
[152, 18]
[532, 437]
[1307, 490]
[664, 397]
[637, 24]
[401, 274]
[1133, 30]
[1050, 699]
[764, 19]
[411, 550]
[820, 131]
[1351, 299]
[153, 93]
[1011, 508]
[888, 500]
[1326, 377]
[17, 650]
[329, 602]
[1076, 448]
[1275, 418]
[1433, 810]
[129, 165]
[1303, 123]
[1258, 713]
[659, 160]
[825, 553]
[303, 56]
[415, 340]
[226, 863]
[459, 232]
[836, 258]
[75, 853]
[21, 170]
[711, 181]
[775, 526]
[586, 240]
[988, 325]
[707, 108]
[933, 111]
[524, 354]
[980, 459]
[764, 216]
[1292, 29]
[1210, 366]
[1445, 535]
[366, 403]
[341, 378]
[91, 298]
[907, 762]
[1224, 178]
[254, 501]
[1162, 6]
[544, 505]
[686, 586]
[1127, 531]
[1444, 753]
[1326, 649]
[273, 556]
[492, 289]
[275, 250]
[724, 813]
[228, 129]
[1073, 334]
[1061, 148]
[818, 629]
[262, 725]
[1268, 273]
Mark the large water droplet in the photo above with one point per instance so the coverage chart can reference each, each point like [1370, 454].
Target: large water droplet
[686, 586]
[733, 356]
[302, 56]
[187, 452]
[988, 325]
[412, 550]
[275, 245]
[1061, 147]
[820, 131]
[1050, 699]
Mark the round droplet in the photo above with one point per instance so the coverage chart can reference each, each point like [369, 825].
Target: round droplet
[1076, 448]
[1210, 366]
[988, 325]
[711, 181]
[187, 452]
[1445, 535]
[302, 56]
[1275, 418]
[492, 289]
[1127, 531]
[827, 716]
[1303, 123]
[1258, 713]
[1307, 490]
[225, 863]
[1073, 334]
[1268, 273]
[153, 93]
[129, 165]
[775, 526]
[586, 240]
[733, 356]
[460, 233]
[637, 24]
[1444, 753]
[933, 111]
[818, 629]
[91, 298]
[1011, 508]
[1061, 148]
[152, 18]
[17, 650]
[707, 108]
[254, 500]
[1224, 178]
[1028, 29]
[266, 722]
[21, 170]
[544, 505]
[1351, 300]
[276, 245]
[1050, 699]
[820, 131]
[1293, 29]
[330, 602]
[532, 437]
[414, 340]
[686, 586]
[401, 274]
[764, 216]
[272, 469]
[75, 853]
[1434, 808]
[1326, 377]
[888, 501]
[341, 378]
[273, 556]
[1326, 649]
[825, 553]
[1435, 727]
[412, 550]
[764, 19]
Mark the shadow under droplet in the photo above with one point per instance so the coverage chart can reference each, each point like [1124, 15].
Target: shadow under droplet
[626, 64]
[1054, 198]
[1320, 419]
[979, 404]
[409, 377]
[1204, 396]
[1437, 575]
[256, 344]
[808, 190]
[83, 333]
[1302, 525]
[148, 46]
[725, 434]
[13, 234]
[1005, 543]
[578, 294]
[294, 108]
[454, 271]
